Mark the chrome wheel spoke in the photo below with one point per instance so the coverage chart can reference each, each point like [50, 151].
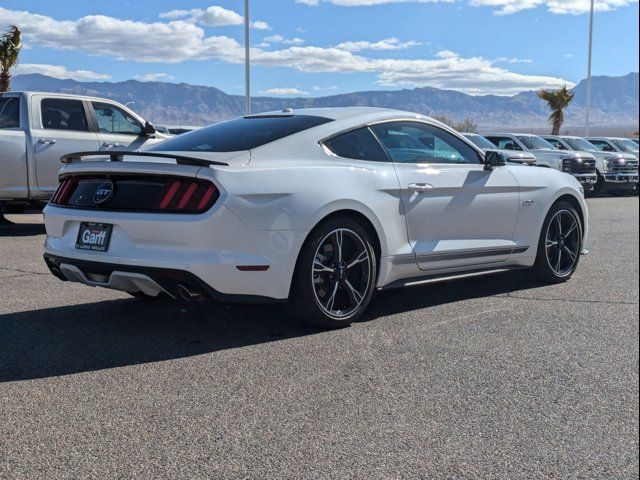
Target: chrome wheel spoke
[574, 226]
[336, 241]
[571, 254]
[319, 267]
[363, 257]
[551, 243]
[332, 298]
[559, 222]
[355, 297]
[559, 261]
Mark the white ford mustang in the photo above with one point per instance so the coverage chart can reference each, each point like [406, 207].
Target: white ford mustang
[319, 207]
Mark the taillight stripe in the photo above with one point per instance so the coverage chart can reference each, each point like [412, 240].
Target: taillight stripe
[186, 196]
[206, 197]
[56, 195]
[73, 183]
[169, 195]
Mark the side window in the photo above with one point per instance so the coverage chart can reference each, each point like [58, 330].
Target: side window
[505, 143]
[603, 146]
[556, 143]
[62, 114]
[358, 144]
[112, 119]
[412, 142]
[10, 112]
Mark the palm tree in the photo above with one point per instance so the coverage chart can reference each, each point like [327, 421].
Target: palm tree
[557, 100]
[10, 45]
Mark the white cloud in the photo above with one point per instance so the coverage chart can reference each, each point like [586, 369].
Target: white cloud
[284, 91]
[572, 7]
[446, 54]
[213, 16]
[568, 55]
[512, 60]
[178, 41]
[171, 42]
[364, 3]
[504, 7]
[217, 17]
[58, 71]
[391, 43]
[267, 41]
[154, 77]
[260, 25]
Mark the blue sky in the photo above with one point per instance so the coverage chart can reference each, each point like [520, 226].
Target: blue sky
[323, 47]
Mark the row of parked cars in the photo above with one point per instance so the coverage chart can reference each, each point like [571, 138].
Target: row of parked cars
[599, 163]
[37, 128]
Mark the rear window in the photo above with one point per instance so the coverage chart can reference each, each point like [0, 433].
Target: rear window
[240, 134]
[9, 112]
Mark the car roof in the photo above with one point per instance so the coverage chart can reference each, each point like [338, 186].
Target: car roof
[340, 113]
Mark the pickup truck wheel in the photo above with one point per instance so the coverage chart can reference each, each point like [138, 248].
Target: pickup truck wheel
[560, 244]
[598, 187]
[335, 277]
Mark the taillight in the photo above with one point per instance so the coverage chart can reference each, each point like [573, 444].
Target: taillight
[189, 196]
[137, 193]
[64, 191]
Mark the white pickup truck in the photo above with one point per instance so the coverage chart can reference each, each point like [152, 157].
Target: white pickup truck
[36, 129]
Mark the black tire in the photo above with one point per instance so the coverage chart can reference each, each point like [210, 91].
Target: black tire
[549, 266]
[348, 282]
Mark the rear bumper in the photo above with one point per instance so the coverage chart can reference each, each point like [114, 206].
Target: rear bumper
[150, 281]
[216, 249]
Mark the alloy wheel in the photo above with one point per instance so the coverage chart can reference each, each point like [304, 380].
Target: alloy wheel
[562, 242]
[341, 273]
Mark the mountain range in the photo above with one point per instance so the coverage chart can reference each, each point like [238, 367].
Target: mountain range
[614, 102]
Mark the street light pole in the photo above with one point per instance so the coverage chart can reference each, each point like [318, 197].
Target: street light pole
[247, 59]
[586, 125]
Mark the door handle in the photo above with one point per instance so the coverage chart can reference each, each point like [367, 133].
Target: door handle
[110, 145]
[47, 141]
[420, 187]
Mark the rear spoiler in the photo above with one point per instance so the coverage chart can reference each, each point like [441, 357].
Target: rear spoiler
[118, 156]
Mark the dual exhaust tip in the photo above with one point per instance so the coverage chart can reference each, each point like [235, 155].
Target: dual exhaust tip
[188, 293]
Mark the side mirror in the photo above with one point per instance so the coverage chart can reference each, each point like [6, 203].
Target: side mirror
[494, 159]
[148, 129]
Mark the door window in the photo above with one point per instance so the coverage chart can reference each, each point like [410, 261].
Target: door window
[358, 144]
[505, 143]
[603, 146]
[63, 114]
[10, 112]
[412, 142]
[556, 143]
[112, 119]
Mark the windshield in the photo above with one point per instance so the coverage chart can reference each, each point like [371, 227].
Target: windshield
[480, 141]
[580, 144]
[534, 143]
[240, 134]
[626, 145]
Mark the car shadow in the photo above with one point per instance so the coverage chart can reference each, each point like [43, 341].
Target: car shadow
[95, 336]
[22, 230]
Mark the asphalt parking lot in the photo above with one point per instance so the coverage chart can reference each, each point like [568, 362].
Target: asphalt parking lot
[485, 378]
